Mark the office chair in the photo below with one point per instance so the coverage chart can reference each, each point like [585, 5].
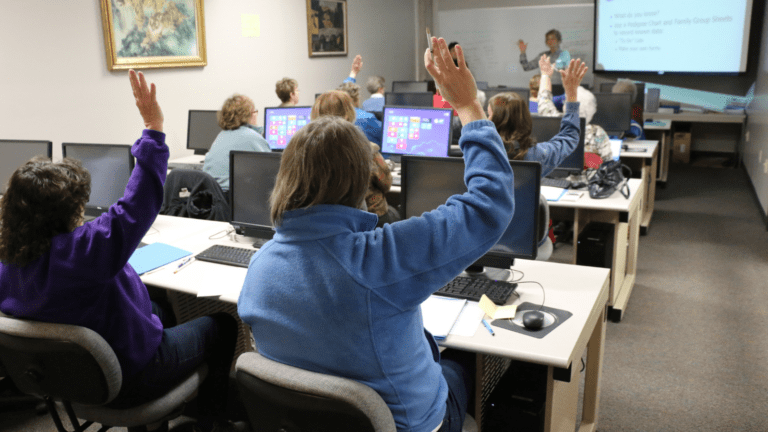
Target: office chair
[194, 194]
[284, 398]
[74, 367]
[545, 243]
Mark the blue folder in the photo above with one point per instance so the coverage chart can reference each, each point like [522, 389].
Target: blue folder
[154, 256]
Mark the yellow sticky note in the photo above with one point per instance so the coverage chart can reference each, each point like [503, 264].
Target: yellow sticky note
[251, 25]
[497, 312]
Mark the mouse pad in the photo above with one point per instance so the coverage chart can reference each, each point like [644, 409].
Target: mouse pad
[557, 317]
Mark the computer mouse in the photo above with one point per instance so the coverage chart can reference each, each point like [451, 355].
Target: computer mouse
[578, 185]
[533, 320]
[624, 147]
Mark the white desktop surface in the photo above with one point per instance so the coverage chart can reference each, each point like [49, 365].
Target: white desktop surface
[648, 145]
[191, 159]
[581, 290]
[615, 202]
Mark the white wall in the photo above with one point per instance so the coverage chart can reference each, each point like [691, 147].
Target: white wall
[54, 84]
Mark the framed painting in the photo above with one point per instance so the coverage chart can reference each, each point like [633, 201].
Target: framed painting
[143, 34]
[327, 28]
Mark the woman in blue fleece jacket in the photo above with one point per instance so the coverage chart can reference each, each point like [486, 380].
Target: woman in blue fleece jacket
[333, 294]
[56, 269]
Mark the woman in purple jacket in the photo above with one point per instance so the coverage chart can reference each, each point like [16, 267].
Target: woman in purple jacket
[54, 268]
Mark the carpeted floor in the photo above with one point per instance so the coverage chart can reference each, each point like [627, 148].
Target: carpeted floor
[691, 352]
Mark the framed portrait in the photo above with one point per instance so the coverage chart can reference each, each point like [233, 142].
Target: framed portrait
[143, 34]
[327, 28]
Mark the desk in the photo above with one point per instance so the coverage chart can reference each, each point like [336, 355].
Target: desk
[624, 214]
[581, 290]
[644, 164]
[665, 147]
[187, 162]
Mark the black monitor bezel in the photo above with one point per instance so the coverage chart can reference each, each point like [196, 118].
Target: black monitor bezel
[410, 82]
[266, 110]
[94, 210]
[599, 95]
[524, 93]
[48, 154]
[198, 151]
[491, 258]
[246, 228]
[431, 98]
[450, 123]
[563, 172]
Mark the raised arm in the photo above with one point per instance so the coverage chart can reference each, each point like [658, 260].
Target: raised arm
[455, 83]
[546, 107]
[357, 65]
[572, 76]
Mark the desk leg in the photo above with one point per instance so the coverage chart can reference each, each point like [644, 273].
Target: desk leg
[650, 194]
[595, 352]
[624, 270]
[562, 402]
[664, 143]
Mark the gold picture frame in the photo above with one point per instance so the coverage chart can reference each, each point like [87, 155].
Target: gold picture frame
[140, 34]
[327, 28]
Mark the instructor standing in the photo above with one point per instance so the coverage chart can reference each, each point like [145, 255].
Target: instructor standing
[559, 58]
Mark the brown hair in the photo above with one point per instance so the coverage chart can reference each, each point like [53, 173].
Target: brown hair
[335, 103]
[533, 85]
[512, 118]
[285, 87]
[327, 161]
[43, 199]
[353, 90]
[235, 112]
[556, 33]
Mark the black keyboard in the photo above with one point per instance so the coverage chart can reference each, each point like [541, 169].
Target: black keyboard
[228, 255]
[473, 288]
[556, 182]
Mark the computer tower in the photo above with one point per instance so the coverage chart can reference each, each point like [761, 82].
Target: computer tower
[595, 245]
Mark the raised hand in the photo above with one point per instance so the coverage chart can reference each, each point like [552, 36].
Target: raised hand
[146, 101]
[572, 76]
[357, 64]
[522, 45]
[547, 68]
[455, 83]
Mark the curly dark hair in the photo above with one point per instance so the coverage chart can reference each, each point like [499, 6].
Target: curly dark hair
[43, 199]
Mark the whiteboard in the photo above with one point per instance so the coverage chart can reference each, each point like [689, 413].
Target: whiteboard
[489, 37]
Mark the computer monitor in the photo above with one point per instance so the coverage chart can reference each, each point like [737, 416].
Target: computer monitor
[614, 112]
[251, 180]
[416, 131]
[202, 130]
[427, 183]
[14, 153]
[110, 166]
[524, 93]
[423, 99]
[409, 86]
[607, 87]
[281, 123]
[481, 85]
[544, 128]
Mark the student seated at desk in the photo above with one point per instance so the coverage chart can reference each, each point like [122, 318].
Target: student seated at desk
[339, 104]
[54, 268]
[533, 101]
[595, 139]
[235, 118]
[366, 121]
[628, 86]
[287, 90]
[509, 112]
[333, 294]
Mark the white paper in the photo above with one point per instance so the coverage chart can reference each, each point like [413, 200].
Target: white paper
[552, 193]
[469, 320]
[440, 313]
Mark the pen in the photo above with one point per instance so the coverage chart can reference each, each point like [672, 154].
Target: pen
[488, 326]
[429, 40]
[184, 264]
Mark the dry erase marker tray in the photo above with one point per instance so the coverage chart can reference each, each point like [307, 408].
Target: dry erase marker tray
[552, 319]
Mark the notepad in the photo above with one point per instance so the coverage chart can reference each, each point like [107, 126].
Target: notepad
[552, 193]
[440, 314]
[154, 256]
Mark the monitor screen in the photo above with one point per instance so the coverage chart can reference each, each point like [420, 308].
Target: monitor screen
[614, 112]
[607, 87]
[481, 85]
[281, 123]
[416, 131]
[493, 91]
[409, 86]
[251, 180]
[427, 183]
[110, 167]
[423, 99]
[202, 130]
[14, 153]
[544, 128]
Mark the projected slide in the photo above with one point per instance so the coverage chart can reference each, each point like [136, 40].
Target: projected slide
[672, 36]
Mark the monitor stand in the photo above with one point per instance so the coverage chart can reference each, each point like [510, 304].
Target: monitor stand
[259, 243]
[477, 271]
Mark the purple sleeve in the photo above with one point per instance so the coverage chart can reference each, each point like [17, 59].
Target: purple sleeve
[106, 243]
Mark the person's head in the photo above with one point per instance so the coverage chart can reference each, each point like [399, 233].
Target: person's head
[43, 199]
[587, 103]
[287, 90]
[553, 39]
[334, 103]
[326, 162]
[625, 86]
[238, 110]
[375, 84]
[512, 117]
[452, 50]
[353, 90]
[533, 85]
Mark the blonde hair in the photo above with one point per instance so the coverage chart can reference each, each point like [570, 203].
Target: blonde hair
[625, 86]
[285, 87]
[235, 112]
[353, 90]
[533, 85]
[326, 162]
[334, 103]
[512, 118]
